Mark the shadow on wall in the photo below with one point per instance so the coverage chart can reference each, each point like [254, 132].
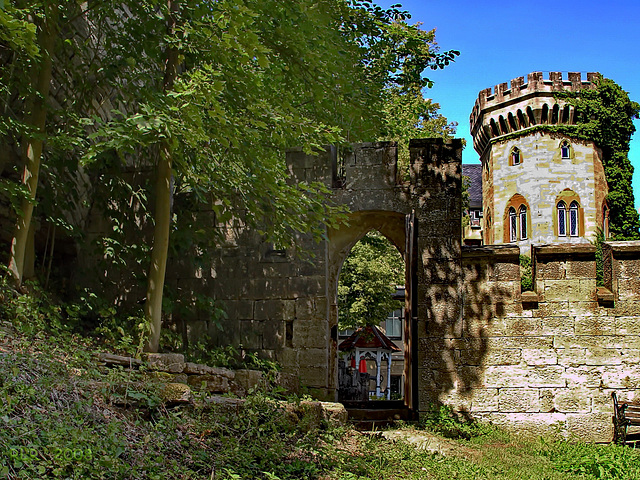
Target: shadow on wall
[456, 345]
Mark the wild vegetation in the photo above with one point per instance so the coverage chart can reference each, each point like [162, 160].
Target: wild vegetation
[161, 111]
[605, 115]
[62, 416]
[368, 281]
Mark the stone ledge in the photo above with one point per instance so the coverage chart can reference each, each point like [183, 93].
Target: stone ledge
[605, 296]
[624, 246]
[500, 251]
[564, 249]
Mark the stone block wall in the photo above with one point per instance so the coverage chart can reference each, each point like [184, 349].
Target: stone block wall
[548, 361]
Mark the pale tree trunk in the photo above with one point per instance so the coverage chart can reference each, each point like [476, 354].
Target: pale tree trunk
[162, 214]
[32, 145]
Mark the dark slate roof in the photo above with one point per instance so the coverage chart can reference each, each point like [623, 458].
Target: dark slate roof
[474, 172]
[368, 337]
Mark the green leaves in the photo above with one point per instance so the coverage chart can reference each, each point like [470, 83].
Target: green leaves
[367, 282]
[605, 115]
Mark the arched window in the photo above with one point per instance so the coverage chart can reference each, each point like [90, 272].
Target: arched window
[512, 122]
[562, 219]
[532, 119]
[565, 150]
[545, 114]
[514, 157]
[554, 114]
[573, 219]
[503, 125]
[494, 128]
[569, 216]
[566, 112]
[523, 222]
[513, 225]
[521, 120]
[516, 221]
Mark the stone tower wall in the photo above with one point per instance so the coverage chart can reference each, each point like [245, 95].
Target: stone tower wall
[515, 117]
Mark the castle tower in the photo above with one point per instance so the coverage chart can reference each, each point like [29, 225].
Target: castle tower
[538, 187]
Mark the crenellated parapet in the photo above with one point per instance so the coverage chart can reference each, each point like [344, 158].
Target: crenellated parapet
[509, 108]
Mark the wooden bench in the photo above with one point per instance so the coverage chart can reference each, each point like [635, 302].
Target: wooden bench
[625, 414]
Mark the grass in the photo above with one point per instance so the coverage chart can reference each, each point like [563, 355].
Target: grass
[61, 416]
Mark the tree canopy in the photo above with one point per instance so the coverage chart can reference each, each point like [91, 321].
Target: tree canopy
[205, 96]
[367, 282]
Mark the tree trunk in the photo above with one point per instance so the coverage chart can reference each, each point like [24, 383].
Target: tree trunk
[32, 145]
[162, 214]
[155, 280]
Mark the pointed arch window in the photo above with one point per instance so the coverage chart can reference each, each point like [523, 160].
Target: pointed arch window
[516, 220]
[562, 219]
[565, 150]
[515, 158]
[513, 225]
[523, 222]
[573, 219]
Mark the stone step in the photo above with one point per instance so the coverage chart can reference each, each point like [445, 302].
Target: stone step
[379, 414]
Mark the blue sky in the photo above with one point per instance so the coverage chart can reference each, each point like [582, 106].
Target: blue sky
[499, 41]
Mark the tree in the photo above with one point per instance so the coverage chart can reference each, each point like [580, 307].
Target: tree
[46, 23]
[242, 94]
[368, 281]
[209, 94]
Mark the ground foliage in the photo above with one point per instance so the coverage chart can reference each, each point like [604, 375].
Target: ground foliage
[605, 115]
[62, 416]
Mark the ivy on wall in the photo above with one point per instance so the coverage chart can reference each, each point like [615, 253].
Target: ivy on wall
[605, 116]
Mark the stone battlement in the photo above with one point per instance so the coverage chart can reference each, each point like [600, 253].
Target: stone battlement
[535, 83]
[508, 108]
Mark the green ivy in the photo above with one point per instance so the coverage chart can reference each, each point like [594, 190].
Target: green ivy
[605, 116]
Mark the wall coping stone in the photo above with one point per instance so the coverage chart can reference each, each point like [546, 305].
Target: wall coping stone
[564, 249]
[628, 246]
[506, 250]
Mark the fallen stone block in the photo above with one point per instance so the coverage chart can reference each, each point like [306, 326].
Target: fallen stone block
[176, 393]
[209, 383]
[111, 359]
[165, 362]
[200, 369]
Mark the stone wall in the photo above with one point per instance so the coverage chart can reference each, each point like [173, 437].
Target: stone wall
[284, 305]
[544, 361]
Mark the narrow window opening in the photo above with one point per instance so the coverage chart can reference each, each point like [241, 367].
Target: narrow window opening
[494, 128]
[545, 114]
[532, 119]
[521, 120]
[523, 222]
[512, 122]
[503, 125]
[573, 219]
[515, 156]
[566, 114]
[565, 150]
[513, 225]
[562, 217]
[554, 114]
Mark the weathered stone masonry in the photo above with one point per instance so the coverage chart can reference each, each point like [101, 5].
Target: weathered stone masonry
[546, 362]
[540, 361]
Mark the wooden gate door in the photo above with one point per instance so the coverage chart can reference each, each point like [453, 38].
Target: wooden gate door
[410, 313]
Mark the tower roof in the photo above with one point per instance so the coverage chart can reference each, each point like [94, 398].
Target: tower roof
[474, 172]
